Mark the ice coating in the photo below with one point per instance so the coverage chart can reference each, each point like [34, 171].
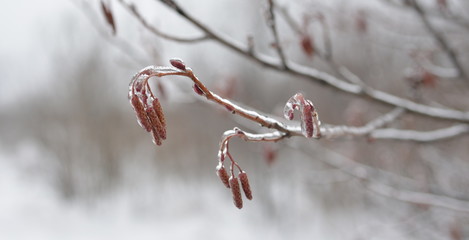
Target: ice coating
[297, 102]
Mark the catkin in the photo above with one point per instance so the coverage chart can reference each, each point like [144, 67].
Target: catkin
[157, 129]
[159, 112]
[243, 177]
[141, 114]
[223, 175]
[236, 191]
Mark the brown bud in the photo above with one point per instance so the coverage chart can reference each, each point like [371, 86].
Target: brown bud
[236, 191]
[229, 108]
[307, 45]
[223, 175]
[109, 17]
[428, 79]
[197, 90]
[270, 154]
[178, 63]
[141, 114]
[243, 177]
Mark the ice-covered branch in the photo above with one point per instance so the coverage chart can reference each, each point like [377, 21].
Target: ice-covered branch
[322, 77]
[420, 136]
[150, 114]
[335, 131]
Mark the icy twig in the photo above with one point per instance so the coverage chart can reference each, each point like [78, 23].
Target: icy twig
[446, 15]
[421, 136]
[335, 131]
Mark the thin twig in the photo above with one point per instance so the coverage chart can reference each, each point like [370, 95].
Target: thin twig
[334, 131]
[273, 27]
[120, 43]
[322, 77]
[420, 136]
[440, 39]
[133, 10]
[446, 15]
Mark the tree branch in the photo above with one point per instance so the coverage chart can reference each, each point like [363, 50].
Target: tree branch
[421, 136]
[334, 131]
[322, 77]
[133, 10]
[273, 28]
[439, 38]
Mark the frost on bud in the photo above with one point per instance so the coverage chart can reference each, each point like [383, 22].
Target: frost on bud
[308, 114]
[307, 126]
[236, 191]
[243, 177]
[178, 63]
[141, 114]
[197, 90]
[223, 175]
[307, 45]
[288, 110]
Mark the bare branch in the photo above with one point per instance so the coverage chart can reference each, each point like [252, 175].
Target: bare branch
[322, 77]
[273, 28]
[420, 136]
[133, 10]
[120, 43]
[290, 21]
[440, 39]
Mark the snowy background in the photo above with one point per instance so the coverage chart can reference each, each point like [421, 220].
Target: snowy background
[74, 164]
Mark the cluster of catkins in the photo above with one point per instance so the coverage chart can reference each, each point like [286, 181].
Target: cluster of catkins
[233, 183]
[147, 107]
